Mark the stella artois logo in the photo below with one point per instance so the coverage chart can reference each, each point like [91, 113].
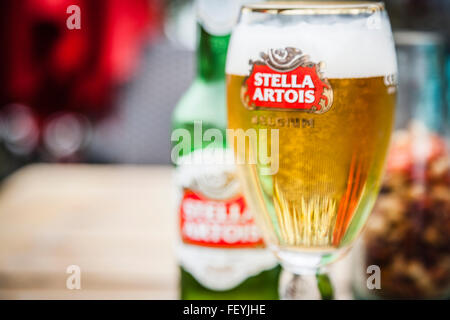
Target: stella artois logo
[286, 79]
[217, 223]
[213, 212]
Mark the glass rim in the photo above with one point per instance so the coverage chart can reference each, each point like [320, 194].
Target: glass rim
[313, 7]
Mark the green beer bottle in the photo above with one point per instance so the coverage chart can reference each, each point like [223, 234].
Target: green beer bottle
[220, 252]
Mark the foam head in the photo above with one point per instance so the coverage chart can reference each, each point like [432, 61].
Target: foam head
[351, 46]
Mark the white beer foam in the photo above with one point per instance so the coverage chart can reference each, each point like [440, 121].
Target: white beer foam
[350, 47]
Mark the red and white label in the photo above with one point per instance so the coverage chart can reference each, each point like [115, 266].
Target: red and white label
[217, 223]
[286, 79]
[297, 89]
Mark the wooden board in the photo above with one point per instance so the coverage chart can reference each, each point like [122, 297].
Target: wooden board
[116, 223]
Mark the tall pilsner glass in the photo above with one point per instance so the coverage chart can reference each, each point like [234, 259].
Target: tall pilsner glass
[311, 91]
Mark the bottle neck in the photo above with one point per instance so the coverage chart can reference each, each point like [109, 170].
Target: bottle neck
[211, 55]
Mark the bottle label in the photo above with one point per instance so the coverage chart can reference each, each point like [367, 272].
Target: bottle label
[286, 79]
[217, 223]
[219, 242]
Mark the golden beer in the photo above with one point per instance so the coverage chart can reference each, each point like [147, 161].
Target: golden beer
[330, 164]
[311, 86]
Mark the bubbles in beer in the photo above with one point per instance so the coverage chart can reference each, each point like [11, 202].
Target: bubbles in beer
[329, 173]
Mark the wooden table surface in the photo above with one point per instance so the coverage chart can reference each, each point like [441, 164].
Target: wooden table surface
[117, 223]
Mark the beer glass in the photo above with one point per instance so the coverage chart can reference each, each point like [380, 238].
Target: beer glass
[311, 90]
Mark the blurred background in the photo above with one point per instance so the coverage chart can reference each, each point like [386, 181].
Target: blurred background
[103, 95]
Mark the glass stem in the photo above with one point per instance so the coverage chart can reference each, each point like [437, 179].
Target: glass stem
[308, 286]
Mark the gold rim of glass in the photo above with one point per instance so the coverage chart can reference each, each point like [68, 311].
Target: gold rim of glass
[314, 7]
